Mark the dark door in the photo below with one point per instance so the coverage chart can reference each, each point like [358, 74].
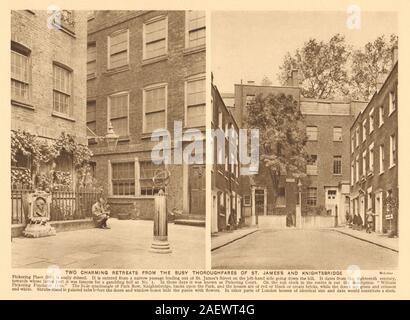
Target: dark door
[197, 189]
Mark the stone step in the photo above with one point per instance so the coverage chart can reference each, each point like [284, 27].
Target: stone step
[190, 217]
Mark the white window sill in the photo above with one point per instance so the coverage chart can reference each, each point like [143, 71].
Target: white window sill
[392, 166]
[147, 61]
[22, 104]
[111, 71]
[390, 113]
[381, 125]
[380, 173]
[191, 50]
[62, 116]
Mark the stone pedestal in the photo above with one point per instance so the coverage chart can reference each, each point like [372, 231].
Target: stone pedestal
[160, 242]
[298, 217]
[39, 215]
[35, 230]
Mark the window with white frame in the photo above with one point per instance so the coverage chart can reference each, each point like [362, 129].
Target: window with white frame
[123, 178]
[381, 159]
[337, 164]
[220, 120]
[91, 116]
[357, 134]
[357, 168]
[155, 37]
[247, 200]
[147, 172]
[311, 166]
[369, 199]
[364, 163]
[118, 47]
[311, 199]
[195, 29]
[352, 144]
[337, 133]
[371, 158]
[352, 173]
[381, 115]
[250, 99]
[118, 105]
[62, 90]
[91, 59]
[20, 73]
[371, 121]
[154, 106]
[364, 125]
[311, 132]
[393, 150]
[195, 102]
[392, 102]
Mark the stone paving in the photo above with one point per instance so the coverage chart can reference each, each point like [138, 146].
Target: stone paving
[302, 249]
[125, 245]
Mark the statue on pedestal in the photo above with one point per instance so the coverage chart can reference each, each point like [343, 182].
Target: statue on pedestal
[39, 215]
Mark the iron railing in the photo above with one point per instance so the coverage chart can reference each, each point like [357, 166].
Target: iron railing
[65, 205]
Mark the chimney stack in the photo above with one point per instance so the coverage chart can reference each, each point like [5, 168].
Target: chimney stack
[395, 54]
[251, 82]
[294, 80]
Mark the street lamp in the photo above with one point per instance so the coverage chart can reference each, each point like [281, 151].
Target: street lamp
[110, 137]
[300, 191]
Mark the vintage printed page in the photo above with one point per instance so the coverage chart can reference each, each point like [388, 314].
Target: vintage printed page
[205, 150]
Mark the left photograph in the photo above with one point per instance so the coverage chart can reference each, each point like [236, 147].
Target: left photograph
[108, 139]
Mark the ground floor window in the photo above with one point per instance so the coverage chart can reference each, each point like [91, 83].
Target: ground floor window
[147, 172]
[123, 178]
[311, 196]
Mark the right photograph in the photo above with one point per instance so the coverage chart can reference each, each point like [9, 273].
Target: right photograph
[305, 130]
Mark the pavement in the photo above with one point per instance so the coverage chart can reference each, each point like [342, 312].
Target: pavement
[223, 238]
[378, 239]
[125, 246]
[322, 249]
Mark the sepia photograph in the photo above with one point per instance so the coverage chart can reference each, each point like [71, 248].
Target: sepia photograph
[320, 89]
[100, 105]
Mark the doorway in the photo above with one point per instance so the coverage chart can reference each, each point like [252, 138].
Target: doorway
[259, 202]
[379, 212]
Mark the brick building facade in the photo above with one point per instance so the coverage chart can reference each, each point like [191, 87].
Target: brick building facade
[225, 179]
[374, 156]
[48, 77]
[326, 187]
[146, 70]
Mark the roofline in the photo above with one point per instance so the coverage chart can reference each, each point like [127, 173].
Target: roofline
[258, 85]
[375, 94]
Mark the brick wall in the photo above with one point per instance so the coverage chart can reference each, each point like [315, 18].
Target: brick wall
[48, 46]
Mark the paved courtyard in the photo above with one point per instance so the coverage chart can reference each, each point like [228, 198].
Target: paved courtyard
[302, 249]
[125, 245]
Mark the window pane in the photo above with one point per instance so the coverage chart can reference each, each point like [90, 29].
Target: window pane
[196, 92]
[120, 126]
[19, 67]
[119, 106]
[197, 37]
[196, 116]
[155, 100]
[62, 79]
[154, 121]
[91, 116]
[311, 133]
[155, 49]
[196, 20]
[155, 31]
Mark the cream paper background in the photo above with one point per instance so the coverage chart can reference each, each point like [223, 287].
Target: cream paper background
[400, 6]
